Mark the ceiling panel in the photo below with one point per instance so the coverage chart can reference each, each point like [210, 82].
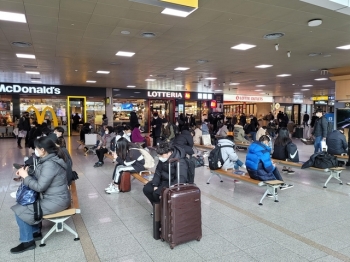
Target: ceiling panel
[41, 10]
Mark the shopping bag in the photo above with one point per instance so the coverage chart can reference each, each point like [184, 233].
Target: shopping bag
[206, 140]
[22, 133]
[324, 146]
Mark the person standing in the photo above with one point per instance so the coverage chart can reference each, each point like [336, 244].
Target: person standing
[156, 125]
[133, 119]
[24, 126]
[320, 130]
[306, 119]
[76, 119]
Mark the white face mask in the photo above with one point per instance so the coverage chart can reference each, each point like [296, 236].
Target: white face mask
[128, 134]
[90, 127]
[36, 151]
[162, 159]
[155, 117]
[106, 132]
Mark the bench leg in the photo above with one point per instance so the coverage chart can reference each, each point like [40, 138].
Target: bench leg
[213, 174]
[270, 190]
[333, 174]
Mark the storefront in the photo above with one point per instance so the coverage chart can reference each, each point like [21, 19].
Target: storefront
[325, 103]
[54, 103]
[168, 104]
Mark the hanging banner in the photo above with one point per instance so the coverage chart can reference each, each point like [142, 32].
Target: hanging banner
[253, 99]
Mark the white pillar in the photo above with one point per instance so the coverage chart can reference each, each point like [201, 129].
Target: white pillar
[109, 107]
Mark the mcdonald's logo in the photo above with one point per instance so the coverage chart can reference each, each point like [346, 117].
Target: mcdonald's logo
[41, 116]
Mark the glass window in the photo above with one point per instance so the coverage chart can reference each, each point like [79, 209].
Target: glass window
[200, 96]
[205, 96]
[210, 96]
[6, 110]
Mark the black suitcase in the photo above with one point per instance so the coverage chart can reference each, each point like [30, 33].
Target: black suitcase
[299, 132]
[180, 211]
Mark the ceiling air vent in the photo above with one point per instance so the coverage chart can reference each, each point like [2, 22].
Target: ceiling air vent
[35, 78]
[314, 54]
[148, 35]
[21, 44]
[30, 66]
[273, 36]
[161, 76]
[202, 61]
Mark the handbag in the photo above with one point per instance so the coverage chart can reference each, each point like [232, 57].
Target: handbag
[25, 195]
[22, 133]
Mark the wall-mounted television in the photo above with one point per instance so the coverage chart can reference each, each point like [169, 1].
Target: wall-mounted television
[127, 107]
[343, 117]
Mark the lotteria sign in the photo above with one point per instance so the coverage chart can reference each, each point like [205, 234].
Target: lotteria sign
[30, 89]
[159, 94]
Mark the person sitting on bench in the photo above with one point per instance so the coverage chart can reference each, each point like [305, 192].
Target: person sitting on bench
[136, 136]
[336, 142]
[153, 189]
[185, 140]
[259, 164]
[104, 145]
[128, 158]
[126, 133]
[51, 179]
[239, 136]
[280, 148]
[229, 155]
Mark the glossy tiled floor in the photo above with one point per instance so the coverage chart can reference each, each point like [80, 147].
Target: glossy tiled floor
[308, 224]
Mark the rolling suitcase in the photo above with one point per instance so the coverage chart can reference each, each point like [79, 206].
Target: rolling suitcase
[180, 210]
[124, 182]
[148, 141]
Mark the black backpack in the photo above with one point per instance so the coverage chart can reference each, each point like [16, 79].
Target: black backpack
[292, 152]
[215, 158]
[112, 147]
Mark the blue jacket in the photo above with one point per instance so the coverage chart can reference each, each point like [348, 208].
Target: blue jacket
[258, 162]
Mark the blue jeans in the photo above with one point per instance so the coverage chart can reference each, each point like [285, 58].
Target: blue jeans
[317, 144]
[238, 163]
[26, 231]
[253, 134]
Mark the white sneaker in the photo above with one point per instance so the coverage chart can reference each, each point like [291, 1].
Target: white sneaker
[244, 166]
[113, 190]
[13, 194]
[109, 186]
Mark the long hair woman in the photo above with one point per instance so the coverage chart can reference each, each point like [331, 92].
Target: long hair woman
[280, 148]
[128, 158]
[50, 177]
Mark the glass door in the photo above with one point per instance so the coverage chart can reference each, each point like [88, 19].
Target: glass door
[76, 114]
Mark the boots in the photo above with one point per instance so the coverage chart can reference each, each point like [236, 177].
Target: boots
[23, 247]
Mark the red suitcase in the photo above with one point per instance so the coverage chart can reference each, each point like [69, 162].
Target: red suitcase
[124, 182]
[180, 210]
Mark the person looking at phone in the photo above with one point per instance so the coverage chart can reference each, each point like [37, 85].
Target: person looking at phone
[104, 145]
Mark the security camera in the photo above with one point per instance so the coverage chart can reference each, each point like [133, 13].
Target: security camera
[288, 53]
[276, 46]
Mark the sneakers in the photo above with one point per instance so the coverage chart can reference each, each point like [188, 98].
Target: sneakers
[23, 247]
[98, 164]
[19, 146]
[290, 172]
[285, 186]
[17, 166]
[270, 195]
[244, 166]
[109, 187]
[113, 190]
[284, 169]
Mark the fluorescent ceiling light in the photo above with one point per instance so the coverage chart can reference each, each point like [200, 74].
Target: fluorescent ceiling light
[32, 73]
[296, 93]
[13, 17]
[217, 90]
[123, 53]
[25, 56]
[284, 75]
[263, 66]
[90, 81]
[150, 80]
[179, 85]
[304, 89]
[36, 81]
[181, 68]
[102, 72]
[307, 85]
[210, 78]
[169, 11]
[234, 84]
[344, 47]
[321, 79]
[260, 85]
[258, 90]
[131, 86]
[243, 47]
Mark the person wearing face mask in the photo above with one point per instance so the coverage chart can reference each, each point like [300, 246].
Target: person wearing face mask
[165, 151]
[126, 133]
[104, 146]
[35, 131]
[24, 126]
[136, 136]
[167, 132]
[86, 129]
[320, 130]
[259, 164]
[156, 125]
[50, 179]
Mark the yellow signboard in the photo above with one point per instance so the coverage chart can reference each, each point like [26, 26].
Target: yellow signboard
[319, 98]
[190, 3]
[41, 116]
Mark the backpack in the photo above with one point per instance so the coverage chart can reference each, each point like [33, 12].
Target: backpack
[215, 158]
[292, 152]
[149, 161]
[113, 144]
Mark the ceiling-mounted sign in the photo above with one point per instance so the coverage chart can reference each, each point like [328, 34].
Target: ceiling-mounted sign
[319, 98]
[30, 89]
[159, 94]
[190, 3]
[253, 99]
[331, 97]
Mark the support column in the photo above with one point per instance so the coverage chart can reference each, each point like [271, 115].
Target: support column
[109, 107]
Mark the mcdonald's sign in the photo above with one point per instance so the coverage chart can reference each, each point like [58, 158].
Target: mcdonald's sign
[41, 116]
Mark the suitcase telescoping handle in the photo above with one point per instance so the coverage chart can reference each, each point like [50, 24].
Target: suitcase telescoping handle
[173, 160]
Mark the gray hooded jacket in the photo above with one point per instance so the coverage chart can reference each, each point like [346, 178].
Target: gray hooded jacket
[228, 153]
[51, 182]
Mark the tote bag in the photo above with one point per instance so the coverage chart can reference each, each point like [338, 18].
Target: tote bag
[26, 196]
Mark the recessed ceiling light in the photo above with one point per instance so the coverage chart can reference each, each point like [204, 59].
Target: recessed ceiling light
[125, 32]
[306, 85]
[210, 78]
[344, 47]
[36, 82]
[130, 86]
[123, 53]
[314, 22]
[304, 89]
[90, 81]
[32, 73]
[263, 93]
[263, 66]
[296, 93]
[234, 84]
[321, 79]
[293, 84]
[314, 54]
[25, 56]
[76, 70]
[102, 72]
[327, 55]
[169, 11]
[260, 85]
[181, 68]
[243, 47]
[179, 85]
[313, 70]
[148, 35]
[217, 90]
[13, 17]
[284, 75]
[137, 92]
[150, 80]
[258, 90]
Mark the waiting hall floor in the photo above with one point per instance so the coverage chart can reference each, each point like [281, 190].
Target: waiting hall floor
[308, 224]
